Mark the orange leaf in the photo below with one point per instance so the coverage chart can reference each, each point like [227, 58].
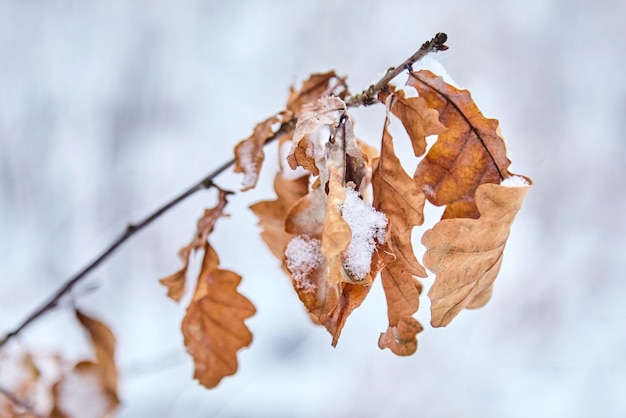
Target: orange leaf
[398, 196]
[249, 154]
[175, 283]
[466, 254]
[469, 153]
[213, 326]
[318, 85]
[90, 385]
[418, 119]
[272, 213]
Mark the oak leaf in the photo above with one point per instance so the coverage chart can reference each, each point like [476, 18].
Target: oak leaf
[418, 119]
[90, 388]
[318, 85]
[466, 254]
[175, 283]
[399, 197]
[213, 326]
[272, 213]
[470, 152]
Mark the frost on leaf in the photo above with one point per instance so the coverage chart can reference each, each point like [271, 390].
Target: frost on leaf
[249, 153]
[213, 326]
[399, 197]
[318, 85]
[466, 254]
[90, 388]
[175, 283]
[470, 152]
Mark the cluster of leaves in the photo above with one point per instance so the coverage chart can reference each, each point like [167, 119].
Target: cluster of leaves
[87, 388]
[332, 240]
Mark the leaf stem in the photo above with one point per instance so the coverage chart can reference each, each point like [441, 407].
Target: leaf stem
[365, 98]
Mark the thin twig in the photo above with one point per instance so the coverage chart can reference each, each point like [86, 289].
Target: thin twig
[19, 402]
[365, 98]
[368, 96]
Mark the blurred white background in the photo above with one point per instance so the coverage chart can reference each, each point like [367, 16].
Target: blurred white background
[108, 109]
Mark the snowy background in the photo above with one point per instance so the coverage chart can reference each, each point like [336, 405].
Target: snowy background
[108, 109]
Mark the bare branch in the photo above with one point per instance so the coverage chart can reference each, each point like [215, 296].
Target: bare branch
[368, 97]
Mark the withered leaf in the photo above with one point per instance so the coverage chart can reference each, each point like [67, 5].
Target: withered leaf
[175, 283]
[249, 153]
[469, 153]
[318, 85]
[90, 388]
[325, 111]
[399, 197]
[418, 119]
[465, 254]
[213, 327]
[272, 213]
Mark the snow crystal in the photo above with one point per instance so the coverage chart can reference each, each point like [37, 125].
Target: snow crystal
[303, 255]
[368, 228]
[514, 181]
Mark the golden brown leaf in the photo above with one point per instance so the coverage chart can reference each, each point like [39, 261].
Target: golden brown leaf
[399, 197]
[272, 213]
[466, 254]
[418, 119]
[213, 326]
[90, 388]
[175, 283]
[318, 85]
[249, 153]
[469, 153]
[325, 111]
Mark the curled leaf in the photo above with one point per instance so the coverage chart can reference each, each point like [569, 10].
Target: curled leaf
[399, 197]
[466, 254]
[469, 153]
[213, 326]
[318, 85]
[175, 283]
[249, 153]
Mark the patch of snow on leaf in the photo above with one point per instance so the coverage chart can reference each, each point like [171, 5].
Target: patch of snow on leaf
[303, 255]
[248, 163]
[514, 181]
[368, 228]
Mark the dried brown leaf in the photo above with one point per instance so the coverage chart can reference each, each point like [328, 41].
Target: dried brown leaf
[90, 388]
[418, 119]
[469, 153]
[399, 197]
[325, 111]
[272, 213]
[213, 326]
[249, 153]
[466, 254]
[318, 85]
[175, 283]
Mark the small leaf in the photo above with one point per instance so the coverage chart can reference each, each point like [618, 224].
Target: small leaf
[318, 85]
[469, 153]
[213, 326]
[418, 119]
[175, 283]
[466, 254]
[249, 153]
[272, 213]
